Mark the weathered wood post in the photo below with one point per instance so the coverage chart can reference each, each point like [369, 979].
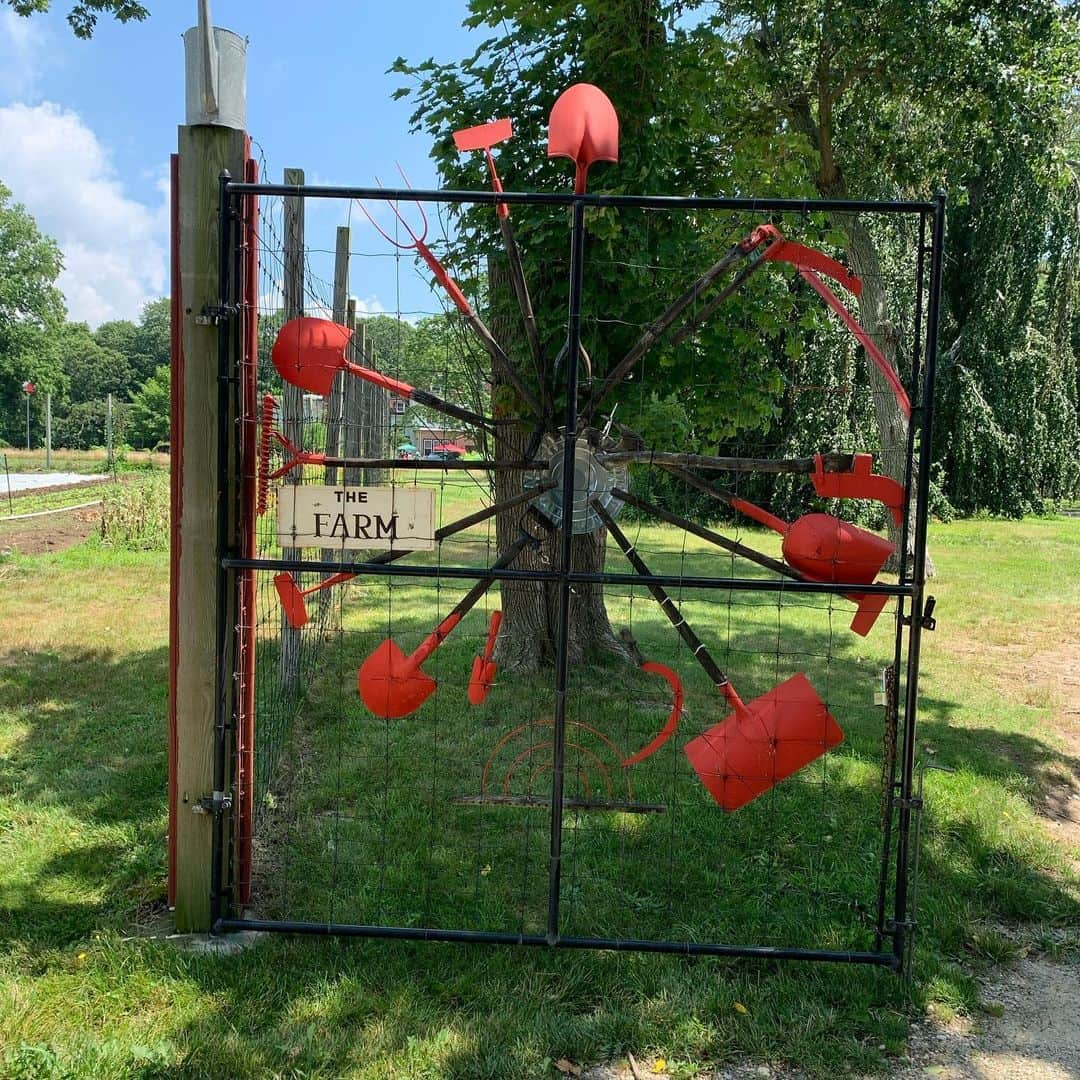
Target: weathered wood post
[211, 141]
[292, 398]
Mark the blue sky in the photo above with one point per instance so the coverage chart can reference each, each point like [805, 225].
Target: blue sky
[86, 128]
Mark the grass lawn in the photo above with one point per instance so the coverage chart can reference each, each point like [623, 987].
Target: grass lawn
[89, 987]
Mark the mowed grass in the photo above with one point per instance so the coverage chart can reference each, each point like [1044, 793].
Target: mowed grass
[89, 987]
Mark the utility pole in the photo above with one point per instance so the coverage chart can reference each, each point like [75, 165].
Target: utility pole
[48, 431]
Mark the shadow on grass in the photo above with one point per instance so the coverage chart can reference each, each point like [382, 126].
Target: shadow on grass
[85, 783]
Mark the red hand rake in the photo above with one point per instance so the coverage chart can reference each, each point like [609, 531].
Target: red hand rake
[584, 127]
[789, 724]
[484, 668]
[309, 352]
[390, 683]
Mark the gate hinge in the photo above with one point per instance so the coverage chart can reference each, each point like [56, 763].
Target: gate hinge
[212, 314]
[216, 802]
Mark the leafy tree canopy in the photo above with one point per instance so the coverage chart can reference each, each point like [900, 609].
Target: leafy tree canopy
[83, 16]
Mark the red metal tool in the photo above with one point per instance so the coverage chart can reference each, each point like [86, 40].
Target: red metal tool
[789, 717]
[860, 483]
[418, 243]
[584, 127]
[824, 548]
[292, 596]
[484, 668]
[392, 684]
[668, 729]
[763, 742]
[484, 137]
[309, 352]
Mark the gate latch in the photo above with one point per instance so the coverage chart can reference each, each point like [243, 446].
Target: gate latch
[212, 314]
[215, 803]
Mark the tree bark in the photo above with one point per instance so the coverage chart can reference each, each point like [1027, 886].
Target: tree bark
[527, 638]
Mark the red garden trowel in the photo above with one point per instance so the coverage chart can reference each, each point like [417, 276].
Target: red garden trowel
[584, 127]
[309, 352]
[824, 548]
[390, 683]
[292, 596]
[483, 667]
[777, 733]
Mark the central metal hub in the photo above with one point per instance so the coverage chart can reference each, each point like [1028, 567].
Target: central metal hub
[592, 480]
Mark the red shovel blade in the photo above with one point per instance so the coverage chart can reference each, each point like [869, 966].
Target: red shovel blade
[309, 352]
[824, 548]
[391, 685]
[292, 600]
[482, 679]
[483, 136]
[583, 127]
[753, 749]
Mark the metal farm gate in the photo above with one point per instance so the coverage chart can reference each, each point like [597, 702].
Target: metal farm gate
[675, 732]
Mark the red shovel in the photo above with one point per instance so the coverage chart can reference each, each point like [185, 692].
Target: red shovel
[483, 667]
[309, 352]
[784, 726]
[390, 683]
[584, 127]
[764, 742]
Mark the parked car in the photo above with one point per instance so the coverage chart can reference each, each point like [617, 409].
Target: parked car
[441, 455]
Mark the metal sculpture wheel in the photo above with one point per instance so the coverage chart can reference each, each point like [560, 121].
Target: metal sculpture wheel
[759, 742]
[593, 481]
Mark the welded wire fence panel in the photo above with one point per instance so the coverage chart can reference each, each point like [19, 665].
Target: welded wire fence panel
[680, 738]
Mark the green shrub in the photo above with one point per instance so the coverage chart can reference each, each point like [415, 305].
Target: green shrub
[135, 515]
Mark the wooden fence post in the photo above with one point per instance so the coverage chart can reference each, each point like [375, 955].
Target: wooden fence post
[292, 398]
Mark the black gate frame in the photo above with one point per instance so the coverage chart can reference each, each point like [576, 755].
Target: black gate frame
[914, 610]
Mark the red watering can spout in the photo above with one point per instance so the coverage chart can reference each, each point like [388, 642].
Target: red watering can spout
[585, 128]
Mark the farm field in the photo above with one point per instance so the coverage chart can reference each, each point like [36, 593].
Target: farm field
[90, 984]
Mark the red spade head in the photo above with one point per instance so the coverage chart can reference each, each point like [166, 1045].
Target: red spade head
[756, 747]
[309, 352]
[824, 548]
[292, 600]
[583, 127]
[390, 684]
[481, 680]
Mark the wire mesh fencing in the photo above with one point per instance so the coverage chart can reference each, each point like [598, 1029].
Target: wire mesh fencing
[602, 627]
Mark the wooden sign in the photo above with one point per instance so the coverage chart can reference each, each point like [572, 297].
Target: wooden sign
[356, 518]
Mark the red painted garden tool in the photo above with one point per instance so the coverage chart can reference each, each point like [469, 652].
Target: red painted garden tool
[292, 596]
[668, 729]
[763, 742]
[584, 127]
[309, 352]
[392, 684]
[418, 243]
[484, 668]
[484, 137]
[789, 721]
[824, 548]
[860, 483]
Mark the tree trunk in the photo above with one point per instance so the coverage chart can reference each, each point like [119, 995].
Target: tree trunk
[530, 609]
[891, 423]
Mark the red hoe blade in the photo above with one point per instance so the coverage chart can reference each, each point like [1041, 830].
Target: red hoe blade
[764, 742]
[585, 128]
[292, 596]
[484, 668]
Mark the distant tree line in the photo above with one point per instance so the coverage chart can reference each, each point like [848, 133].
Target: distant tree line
[78, 366]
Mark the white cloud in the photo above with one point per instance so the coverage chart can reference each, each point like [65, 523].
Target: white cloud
[23, 45]
[115, 248]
